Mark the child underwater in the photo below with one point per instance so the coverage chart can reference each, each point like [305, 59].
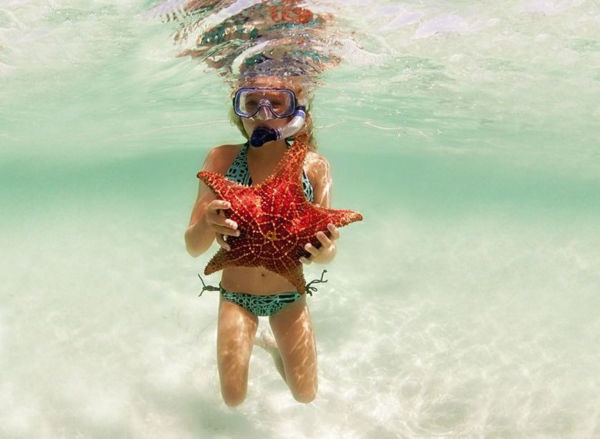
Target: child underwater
[269, 111]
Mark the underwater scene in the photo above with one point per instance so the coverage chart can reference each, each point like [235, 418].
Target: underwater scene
[464, 305]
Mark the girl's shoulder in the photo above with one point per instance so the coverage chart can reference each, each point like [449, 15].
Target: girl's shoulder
[316, 165]
[220, 158]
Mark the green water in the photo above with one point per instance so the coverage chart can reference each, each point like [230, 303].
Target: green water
[464, 305]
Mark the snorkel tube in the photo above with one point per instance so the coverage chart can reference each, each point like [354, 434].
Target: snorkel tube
[262, 135]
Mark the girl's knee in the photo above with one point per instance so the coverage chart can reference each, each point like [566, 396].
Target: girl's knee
[233, 395]
[305, 393]
[305, 396]
[234, 381]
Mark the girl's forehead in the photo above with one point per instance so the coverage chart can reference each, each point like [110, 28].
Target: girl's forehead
[270, 81]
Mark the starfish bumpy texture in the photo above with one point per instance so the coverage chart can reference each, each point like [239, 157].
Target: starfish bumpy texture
[274, 218]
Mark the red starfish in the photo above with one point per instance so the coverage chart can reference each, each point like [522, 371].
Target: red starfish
[274, 218]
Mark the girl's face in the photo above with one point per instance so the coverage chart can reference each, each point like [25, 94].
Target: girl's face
[264, 117]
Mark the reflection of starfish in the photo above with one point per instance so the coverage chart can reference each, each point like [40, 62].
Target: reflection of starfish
[274, 218]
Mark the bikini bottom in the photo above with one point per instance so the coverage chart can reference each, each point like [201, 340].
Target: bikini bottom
[261, 305]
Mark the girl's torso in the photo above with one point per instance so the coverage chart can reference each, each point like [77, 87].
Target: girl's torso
[256, 280]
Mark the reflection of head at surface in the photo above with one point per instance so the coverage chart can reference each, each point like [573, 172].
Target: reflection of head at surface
[268, 37]
[283, 61]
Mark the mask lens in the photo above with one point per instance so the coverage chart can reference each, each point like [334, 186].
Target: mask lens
[248, 101]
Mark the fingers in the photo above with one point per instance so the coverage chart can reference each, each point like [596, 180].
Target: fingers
[218, 221]
[226, 230]
[313, 252]
[311, 249]
[218, 205]
[222, 226]
[335, 233]
[324, 240]
[325, 250]
[222, 242]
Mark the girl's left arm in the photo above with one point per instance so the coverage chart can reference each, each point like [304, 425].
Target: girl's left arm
[321, 181]
[320, 176]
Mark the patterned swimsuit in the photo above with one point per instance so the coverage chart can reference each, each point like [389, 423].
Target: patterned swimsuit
[259, 305]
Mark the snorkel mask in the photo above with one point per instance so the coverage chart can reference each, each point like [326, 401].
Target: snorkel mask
[278, 102]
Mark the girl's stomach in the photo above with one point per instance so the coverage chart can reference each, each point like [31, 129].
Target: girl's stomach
[254, 280]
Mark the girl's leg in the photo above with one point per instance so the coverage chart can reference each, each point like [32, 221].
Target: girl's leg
[235, 336]
[266, 341]
[293, 332]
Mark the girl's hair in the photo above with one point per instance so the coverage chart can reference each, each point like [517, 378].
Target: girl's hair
[303, 94]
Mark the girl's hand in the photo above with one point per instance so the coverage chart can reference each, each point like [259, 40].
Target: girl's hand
[221, 226]
[326, 252]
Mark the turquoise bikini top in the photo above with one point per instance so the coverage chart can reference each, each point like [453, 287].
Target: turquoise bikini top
[238, 172]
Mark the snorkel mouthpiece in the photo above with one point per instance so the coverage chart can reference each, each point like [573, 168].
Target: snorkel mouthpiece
[262, 135]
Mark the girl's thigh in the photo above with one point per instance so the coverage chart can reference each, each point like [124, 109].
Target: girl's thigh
[235, 336]
[293, 332]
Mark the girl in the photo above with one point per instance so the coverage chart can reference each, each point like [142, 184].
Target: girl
[262, 104]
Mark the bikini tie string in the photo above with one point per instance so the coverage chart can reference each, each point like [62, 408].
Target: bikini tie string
[310, 289]
[207, 287]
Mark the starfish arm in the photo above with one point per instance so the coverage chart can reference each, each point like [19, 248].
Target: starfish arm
[218, 262]
[232, 258]
[282, 199]
[289, 167]
[295, 276]
[218, 183]
[315, 220]
[241, 197]
[337, 217]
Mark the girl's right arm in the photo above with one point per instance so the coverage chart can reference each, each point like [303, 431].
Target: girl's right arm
[208, 221]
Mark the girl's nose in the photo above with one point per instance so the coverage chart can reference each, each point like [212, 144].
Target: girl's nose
[263, 113]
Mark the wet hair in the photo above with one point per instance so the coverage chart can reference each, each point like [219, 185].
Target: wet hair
[298, 86]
